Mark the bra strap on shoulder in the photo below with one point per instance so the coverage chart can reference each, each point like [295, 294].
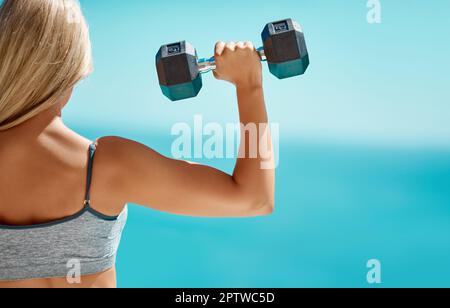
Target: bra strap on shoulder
[90, 168]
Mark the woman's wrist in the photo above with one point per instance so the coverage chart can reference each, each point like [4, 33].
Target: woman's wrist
[249, 97]
[248, 88]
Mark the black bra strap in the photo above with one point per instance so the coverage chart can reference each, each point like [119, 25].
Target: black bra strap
[87, 198]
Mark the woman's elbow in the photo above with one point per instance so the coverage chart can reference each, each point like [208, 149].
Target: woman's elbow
[264, 207]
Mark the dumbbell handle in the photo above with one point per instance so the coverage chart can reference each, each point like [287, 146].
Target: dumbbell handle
[209, 64]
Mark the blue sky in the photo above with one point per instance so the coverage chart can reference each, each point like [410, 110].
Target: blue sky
[377, 84]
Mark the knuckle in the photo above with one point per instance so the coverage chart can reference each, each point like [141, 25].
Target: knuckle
[249, 45]
[230, 45]
[219, 48]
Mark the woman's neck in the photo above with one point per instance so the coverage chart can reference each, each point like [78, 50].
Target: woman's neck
[47, 121]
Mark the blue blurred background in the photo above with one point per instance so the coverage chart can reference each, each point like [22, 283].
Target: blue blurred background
[365, 142]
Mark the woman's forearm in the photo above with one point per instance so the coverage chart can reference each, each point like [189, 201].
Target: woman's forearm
[254, 171]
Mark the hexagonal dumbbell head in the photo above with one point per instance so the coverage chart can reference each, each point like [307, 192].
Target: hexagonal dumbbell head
[178, 73]
[285, 48]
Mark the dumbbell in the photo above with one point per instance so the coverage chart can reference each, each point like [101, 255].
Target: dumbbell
[180, 71]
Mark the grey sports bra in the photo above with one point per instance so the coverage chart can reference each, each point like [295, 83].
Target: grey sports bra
[85, 243]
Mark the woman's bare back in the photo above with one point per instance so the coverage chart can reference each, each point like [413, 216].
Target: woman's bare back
[103, 280]
[43, 179]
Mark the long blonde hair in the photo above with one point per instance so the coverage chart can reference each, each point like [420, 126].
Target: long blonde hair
[44, 51]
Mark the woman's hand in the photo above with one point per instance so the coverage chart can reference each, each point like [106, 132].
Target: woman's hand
[238, 63]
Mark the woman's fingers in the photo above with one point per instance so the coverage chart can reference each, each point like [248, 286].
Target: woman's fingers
[220, 47]
[249, 45]
[240, 45]
[231, 46]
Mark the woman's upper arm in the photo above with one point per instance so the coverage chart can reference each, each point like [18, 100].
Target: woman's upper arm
[144, 177]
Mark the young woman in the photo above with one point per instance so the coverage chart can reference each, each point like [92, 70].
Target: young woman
[62, 197]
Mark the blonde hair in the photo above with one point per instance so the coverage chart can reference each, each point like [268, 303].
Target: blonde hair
[44, 52]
